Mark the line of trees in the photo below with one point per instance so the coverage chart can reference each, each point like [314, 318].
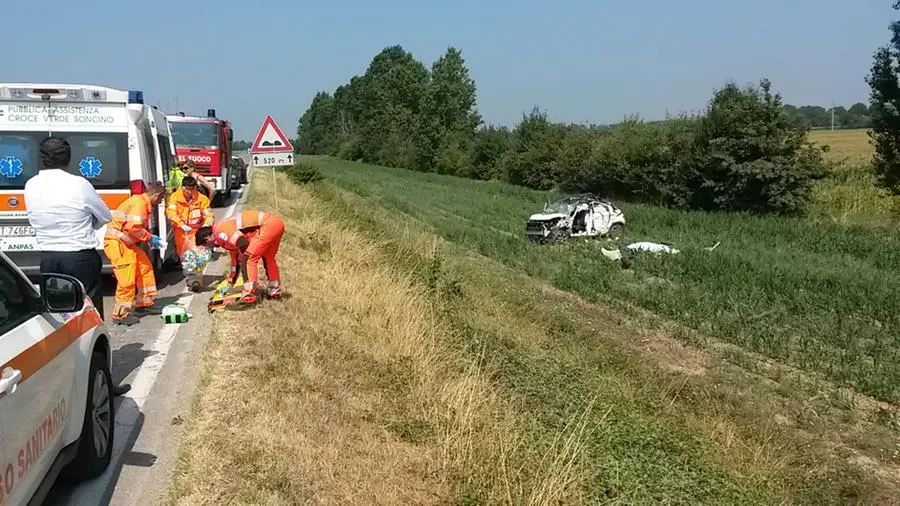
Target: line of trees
[857, 115]
[745, 152]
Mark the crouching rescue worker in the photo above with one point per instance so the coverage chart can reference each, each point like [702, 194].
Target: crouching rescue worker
[135, 281]
[250, 236]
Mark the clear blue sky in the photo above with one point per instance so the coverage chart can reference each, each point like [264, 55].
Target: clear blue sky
[578, 59]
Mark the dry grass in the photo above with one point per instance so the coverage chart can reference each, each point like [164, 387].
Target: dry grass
[846, 147]
[849, 196]
[344, 394]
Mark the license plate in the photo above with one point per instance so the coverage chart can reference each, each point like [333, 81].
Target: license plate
[16, 231]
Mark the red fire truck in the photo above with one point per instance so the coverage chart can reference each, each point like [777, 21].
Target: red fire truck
[206, 141]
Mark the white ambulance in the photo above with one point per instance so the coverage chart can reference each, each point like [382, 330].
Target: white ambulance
[57, 416]
[118, 144]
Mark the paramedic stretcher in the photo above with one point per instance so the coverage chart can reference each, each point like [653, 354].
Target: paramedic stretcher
[251, 236]
[135, 281]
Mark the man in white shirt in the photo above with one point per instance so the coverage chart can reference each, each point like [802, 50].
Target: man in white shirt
[65, 210]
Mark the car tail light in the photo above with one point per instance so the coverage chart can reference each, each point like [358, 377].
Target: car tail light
[138, 187]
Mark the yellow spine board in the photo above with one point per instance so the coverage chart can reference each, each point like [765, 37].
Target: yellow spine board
[219, 301]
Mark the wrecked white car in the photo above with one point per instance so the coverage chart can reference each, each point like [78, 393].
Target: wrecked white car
[584, 215]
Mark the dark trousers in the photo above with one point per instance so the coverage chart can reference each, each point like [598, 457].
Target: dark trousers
[85, 266]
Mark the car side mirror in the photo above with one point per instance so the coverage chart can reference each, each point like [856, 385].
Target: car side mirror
[61, 293]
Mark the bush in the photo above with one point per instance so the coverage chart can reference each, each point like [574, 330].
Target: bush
[751, 156]
[632, 162]
[303, 173]
[744, 154]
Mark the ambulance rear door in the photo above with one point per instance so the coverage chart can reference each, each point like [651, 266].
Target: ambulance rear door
[95, 123]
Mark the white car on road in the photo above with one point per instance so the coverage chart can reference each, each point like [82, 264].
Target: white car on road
[56, 396]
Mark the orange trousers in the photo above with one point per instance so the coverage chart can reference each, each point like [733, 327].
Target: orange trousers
[184, 240]
[135, 281]
[263, 246]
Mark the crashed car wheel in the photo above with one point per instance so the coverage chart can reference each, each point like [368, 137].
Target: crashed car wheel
[616, 230]
[557, 235]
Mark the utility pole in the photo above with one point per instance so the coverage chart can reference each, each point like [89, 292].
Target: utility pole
[832, 115]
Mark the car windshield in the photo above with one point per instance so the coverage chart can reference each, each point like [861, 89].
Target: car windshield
[558, 207]
[194, 134]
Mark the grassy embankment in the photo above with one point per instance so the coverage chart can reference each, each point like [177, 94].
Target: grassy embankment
[407, 368]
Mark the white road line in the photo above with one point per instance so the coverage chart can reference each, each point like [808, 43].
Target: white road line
[129, 410]
[149, 369]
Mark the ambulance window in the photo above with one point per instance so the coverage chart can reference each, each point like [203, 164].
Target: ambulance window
[19, 157]
[102, 158]
[165, 153]
[150, 150]
[15, 304]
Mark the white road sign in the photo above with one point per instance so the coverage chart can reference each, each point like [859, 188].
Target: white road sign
[273, 159]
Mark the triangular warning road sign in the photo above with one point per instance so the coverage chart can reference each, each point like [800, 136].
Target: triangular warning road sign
[271, 139]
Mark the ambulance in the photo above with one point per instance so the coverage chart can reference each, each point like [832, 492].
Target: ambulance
[119, 144]
[57, 412]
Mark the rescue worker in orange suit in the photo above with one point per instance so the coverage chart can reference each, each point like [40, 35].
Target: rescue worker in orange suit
[188, 210]
[135, 281]
[250, 236]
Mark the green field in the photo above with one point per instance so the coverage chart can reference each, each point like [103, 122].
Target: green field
[817, 296]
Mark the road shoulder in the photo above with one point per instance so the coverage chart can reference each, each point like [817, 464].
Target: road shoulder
[146, 466]
[149, 416]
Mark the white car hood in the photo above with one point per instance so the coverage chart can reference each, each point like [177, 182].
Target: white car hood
[546, 217]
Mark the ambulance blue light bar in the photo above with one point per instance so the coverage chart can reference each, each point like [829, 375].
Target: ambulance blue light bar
[135, 97]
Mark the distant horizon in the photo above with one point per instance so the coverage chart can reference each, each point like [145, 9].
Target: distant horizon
[292, 134]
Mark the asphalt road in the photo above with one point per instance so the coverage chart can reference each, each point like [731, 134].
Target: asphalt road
[160, 363]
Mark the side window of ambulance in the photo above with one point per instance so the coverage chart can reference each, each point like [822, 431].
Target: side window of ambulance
[101, 158]
[16, 306]
[167, 158]
[19, 158]
[149, 149]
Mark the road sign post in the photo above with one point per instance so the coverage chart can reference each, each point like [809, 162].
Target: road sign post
[272, 149]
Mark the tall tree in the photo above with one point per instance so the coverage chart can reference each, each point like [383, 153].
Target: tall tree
[448, 118]
[313, 129]
[534, 150]
[391, 94]
[885, 110]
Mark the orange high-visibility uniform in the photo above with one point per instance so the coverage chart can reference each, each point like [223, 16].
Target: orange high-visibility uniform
[131, 265]
[194, 214]
[264, 230]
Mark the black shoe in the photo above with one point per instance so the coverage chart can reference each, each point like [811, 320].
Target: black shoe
[127, 321]
[195, 287]
[121, 389]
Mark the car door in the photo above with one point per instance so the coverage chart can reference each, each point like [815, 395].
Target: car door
[600, 217]
[37, 383]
